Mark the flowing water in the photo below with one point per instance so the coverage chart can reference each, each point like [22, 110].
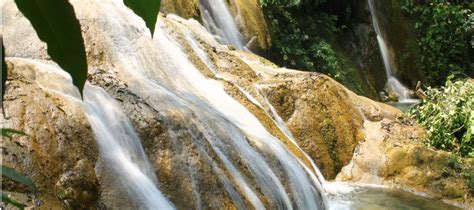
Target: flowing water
[252, 162]
[393, 83]
[122, 151]
[219, 21]
[247, 160]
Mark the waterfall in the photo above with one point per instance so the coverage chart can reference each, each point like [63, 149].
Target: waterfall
[402, 92]
[197, 113]
[122, 152]
[218, 20]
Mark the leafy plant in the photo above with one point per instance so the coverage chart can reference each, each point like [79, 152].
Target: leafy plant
[15, 176]
[55, 23]
[4, 75]
[443, 28]
[299, 33]
[12, 173]
[302, 34]
[147, 10]
[448, 114]
[8, 132]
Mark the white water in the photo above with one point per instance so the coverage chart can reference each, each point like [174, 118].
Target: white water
[218, 20]
[122, 151]
[248, 160]
[402, 92]
[119, 146]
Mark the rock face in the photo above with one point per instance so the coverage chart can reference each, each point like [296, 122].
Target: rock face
[248, 16]
[316, 118]
[392, 154]
[402, 42]
[252, 23]
[325, 118]
[183, 8]
[60, 152]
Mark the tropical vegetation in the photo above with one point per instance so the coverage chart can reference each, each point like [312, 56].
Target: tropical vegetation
[448, 114]
[445, 36]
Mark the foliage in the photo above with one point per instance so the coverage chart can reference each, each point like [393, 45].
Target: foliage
[302, 34]
[8, 132]
[12, 173]
[4, 198]
[55, 23]
[445, 36]
[15, 176]
[146, 9]
[4, 75]
[299, 33]
[448, 114]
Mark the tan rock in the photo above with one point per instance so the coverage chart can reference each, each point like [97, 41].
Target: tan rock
[326, 120]
[251, 22]
[60, 152]
[183, 8]
[393, 154]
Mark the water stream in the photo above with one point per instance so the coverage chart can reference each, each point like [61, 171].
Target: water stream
[254, 167]
[219, 21]
[393, 83]
[122, 151]
[251, 162]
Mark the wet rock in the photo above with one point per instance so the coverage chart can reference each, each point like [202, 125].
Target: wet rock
[327, 121]
[251, 22]
[60, 151]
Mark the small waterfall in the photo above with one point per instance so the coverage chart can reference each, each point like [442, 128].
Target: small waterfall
[218, 20]
[122, 152]
[393, 83]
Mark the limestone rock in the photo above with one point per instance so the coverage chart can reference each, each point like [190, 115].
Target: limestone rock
[326, 120]
[393, 154]
[60, 152]
[252, 23]
[183, 8]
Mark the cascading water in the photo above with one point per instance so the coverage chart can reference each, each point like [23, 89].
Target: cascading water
[248, 161]
[122, 151]
[218, 20]
[402, 92]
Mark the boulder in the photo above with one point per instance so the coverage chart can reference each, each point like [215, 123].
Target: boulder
[393, 154]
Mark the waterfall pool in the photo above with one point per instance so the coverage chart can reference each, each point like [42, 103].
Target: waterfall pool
[404, 105]
[367, 197]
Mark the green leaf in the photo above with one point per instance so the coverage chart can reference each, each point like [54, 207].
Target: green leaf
[55, 23]
[6, 199]
[8, 132]
[4, 75]
[147, 9]
[15, 176]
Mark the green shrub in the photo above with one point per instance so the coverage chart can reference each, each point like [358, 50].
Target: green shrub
[444, 31]
[448, 114]
[299, 33]
[302, 32]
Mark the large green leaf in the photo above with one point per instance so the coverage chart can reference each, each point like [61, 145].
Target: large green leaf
[147, 9]
[56, 24]
[4, 198]
[8, 132]
[15, 176]
[4, 75]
